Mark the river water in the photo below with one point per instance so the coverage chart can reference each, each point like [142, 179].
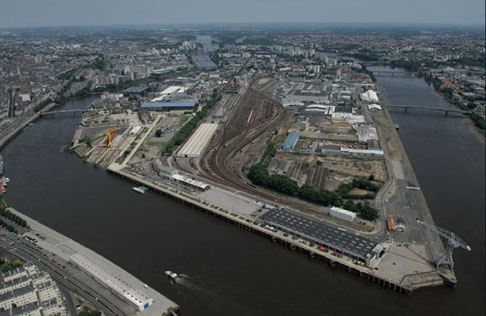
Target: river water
[233, 272]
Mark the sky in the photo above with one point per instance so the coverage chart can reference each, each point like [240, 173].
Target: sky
[31, 13]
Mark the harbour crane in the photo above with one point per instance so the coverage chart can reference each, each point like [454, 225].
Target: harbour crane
[453, 241]
[109, 134]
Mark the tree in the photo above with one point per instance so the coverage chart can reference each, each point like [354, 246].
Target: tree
[371, 177]
[158, 133]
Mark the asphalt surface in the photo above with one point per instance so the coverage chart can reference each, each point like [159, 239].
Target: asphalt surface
[62, 272]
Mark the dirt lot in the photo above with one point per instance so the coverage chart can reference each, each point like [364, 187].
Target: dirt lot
[355, 167]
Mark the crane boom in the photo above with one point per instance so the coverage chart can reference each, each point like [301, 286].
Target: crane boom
[453, 241]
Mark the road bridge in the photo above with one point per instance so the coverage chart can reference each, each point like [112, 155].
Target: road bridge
[54, 113]
[407, 108]
[391, 73]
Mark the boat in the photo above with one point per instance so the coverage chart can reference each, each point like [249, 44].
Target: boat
[171, 275]
[140, 189]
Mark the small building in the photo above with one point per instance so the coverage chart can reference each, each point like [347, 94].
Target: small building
[342, 214]
[291, 141]
[167, 106]
[197, 185]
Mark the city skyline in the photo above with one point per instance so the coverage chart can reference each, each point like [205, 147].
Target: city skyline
[30, 13]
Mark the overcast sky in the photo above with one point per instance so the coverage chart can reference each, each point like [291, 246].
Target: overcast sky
[26, 13]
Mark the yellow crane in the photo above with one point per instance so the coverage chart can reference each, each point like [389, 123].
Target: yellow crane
[109, 135]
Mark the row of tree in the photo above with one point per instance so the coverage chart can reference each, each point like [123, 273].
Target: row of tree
[187, 129]
[7, 266]
[259, 175]
[6, 225]
[360, 183]
[365, 209]
[13, 217]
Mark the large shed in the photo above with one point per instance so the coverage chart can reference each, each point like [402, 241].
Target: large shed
[291, 141]
[195, 146]
[166, 106]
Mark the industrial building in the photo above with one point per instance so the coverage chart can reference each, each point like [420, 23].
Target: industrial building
[366, 132]
[342, 214]
[362, 152]
[322, 109]
[335, 239]
[291, 141]
[139, 90]
[167, 106]
[369, 96]
[113, 282]
[31, 291]
[196, 144]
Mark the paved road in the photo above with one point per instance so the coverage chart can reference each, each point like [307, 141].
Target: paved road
[63, 273]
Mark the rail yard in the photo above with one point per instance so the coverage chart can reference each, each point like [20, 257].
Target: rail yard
[347, 155]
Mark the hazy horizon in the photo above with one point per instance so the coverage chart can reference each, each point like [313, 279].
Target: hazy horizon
[55, 13]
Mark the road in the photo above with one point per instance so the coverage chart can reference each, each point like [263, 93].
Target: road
[63, 273]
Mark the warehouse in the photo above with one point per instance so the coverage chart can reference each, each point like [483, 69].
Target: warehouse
[197, 185]
[167, 106]
[362, 152]
[332, 238]
[195, 146]
[112, 282]
[139, 90]
[291, 141]
[369, 96]
[342, 214]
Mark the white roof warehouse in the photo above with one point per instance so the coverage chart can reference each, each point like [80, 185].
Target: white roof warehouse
[194, 147]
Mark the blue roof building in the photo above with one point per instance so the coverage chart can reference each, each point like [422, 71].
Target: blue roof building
[159, 106]
[291, 141]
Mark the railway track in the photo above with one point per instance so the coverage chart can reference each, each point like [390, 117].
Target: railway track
[239, 132]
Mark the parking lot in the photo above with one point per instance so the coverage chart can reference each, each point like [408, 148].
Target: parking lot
[337, 239]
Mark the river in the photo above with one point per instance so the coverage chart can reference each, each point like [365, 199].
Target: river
[233, 272]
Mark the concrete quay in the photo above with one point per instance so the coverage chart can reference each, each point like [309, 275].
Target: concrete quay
[4, 140]
[63, 248]
[398, 201]
[402, 269]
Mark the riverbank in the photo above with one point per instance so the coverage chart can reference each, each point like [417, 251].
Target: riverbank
[230, 271]
[17, 130]
[65, 248]
[477, 120]
[411, 274]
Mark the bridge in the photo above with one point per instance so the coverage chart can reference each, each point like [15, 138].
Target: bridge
[391, 73]
[53, 113]
[406, 108]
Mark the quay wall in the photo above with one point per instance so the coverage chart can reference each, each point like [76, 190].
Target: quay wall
[7, 138]
[248, 224]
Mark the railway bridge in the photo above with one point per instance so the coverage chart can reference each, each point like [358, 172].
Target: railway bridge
[52, 114]
[391, 73]
[407, 108]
